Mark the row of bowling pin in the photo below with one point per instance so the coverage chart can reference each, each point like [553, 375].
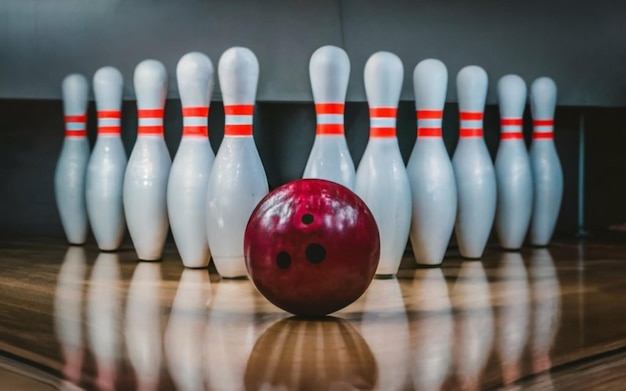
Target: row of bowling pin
[381, 179]
[149, 192]
[432, 195]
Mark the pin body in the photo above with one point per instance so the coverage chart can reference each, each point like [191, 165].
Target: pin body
[145, 180]
[473, 168]
[513, 173]
[381, 179]
[105, 172]
[545, 163]
[433, 187]
[330, 159]
[70, 173]
[188, 180]
[237, 181]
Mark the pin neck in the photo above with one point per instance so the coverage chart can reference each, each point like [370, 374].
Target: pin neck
[511, 128]
[150, 122]
[76, 126]
[429, 123]
[329, 118]
[543, 129]
[471, 124]
[383, 122]
[109, 122]
[238, 120]
[195, 121]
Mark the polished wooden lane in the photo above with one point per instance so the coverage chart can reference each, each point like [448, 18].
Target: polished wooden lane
[542, 318]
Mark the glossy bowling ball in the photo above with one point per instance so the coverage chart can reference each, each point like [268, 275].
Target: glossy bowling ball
[311, 247]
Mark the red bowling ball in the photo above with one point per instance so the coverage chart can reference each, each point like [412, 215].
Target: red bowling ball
[311, 247]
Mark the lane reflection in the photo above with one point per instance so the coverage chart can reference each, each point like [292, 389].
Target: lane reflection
[68, 302]
[511, 301]
[185, 330]
[143, 325]
[230, 334]
[546, 307]
[385, 327]
[474, 326]
[297, 354]
[432, 330]
[104, 318]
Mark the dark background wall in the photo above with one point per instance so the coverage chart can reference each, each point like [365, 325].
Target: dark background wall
[580, 44]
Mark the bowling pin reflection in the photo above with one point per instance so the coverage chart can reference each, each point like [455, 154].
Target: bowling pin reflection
[474, 324]
[67, 312]
[385, 328]
[511, 300]
[104, 318]
[301, 354]
[143, 325]
[185, 330]
[432, 331]
[230, 334]
[546, 308]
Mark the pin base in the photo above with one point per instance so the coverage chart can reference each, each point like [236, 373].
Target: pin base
[384, 276]
[429, 265]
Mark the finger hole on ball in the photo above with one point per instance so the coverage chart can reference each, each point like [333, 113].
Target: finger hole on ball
[307, 218]
[315, 253]
[283, 260]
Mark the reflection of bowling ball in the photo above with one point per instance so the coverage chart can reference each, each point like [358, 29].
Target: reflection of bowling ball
[311, 247]
[325, 354]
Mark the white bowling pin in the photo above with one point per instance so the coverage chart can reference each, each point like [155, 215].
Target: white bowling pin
[69, 177]
[544, 160]
[433, 187]
[104, 326]
[381, 179]
[142, 330]
[512, 305]
[329, 69]
[513, 173]
[68, 305]
[237, 181]
[187, 185]
[105, 172]
[185, 330]
[473, 168]
[145, 181]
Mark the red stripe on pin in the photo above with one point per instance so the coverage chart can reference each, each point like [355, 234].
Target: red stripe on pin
[239, 110]
[200, 111]
[511, 122]
[75, 133]
[543, 122]
[429, 132]
[429, 114]
[471, 115]
[329, 129]
[109, 130]
[385, 112]
[329, 108]
[382, 132]
[238, 130]
[543, 135]
[511, 135]
[112, 114]
[196, 131]
[76, 118]
[471, 132]
[150, 113]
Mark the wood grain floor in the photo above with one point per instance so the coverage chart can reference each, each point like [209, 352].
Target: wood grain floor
[540, 319]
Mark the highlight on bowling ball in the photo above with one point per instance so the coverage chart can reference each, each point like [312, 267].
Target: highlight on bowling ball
[311, 247]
